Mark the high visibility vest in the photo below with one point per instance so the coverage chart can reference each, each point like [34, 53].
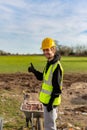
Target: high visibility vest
[47, 88]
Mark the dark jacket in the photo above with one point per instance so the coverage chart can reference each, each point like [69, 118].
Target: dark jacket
[56, 79]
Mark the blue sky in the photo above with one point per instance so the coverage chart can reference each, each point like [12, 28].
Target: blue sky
[25, 23]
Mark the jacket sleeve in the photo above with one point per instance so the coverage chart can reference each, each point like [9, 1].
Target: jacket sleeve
[56, 82]
[38, 75]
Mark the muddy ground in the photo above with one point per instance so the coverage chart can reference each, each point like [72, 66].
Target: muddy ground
[73, 109]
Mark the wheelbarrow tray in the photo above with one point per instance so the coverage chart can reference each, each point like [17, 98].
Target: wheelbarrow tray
[28, 113]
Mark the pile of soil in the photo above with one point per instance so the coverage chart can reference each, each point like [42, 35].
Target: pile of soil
[73, 109]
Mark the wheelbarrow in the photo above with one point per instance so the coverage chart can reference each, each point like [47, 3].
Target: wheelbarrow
[33, 111]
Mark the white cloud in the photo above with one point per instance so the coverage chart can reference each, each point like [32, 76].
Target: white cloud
[25, 21]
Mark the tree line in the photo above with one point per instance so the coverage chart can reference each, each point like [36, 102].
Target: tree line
[63, 50]
[73, 51]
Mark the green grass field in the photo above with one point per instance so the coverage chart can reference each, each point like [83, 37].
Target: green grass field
[12, 64]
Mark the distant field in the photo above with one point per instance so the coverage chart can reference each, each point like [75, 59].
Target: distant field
[74, 64]
[12, 64]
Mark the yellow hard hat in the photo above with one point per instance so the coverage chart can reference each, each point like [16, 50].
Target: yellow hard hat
[48, 43]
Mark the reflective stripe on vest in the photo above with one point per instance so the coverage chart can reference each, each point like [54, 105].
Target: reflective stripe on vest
[45, 91]
[49, 81]
[47, 87]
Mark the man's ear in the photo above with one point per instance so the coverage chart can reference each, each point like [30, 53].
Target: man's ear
[53, 49]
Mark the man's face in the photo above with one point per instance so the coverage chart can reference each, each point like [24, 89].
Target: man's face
[49, 53]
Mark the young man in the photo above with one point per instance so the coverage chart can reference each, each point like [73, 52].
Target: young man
[52, 77]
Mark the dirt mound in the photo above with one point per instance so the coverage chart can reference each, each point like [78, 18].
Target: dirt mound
[26, 80]
[73, 108]
[21, 81]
